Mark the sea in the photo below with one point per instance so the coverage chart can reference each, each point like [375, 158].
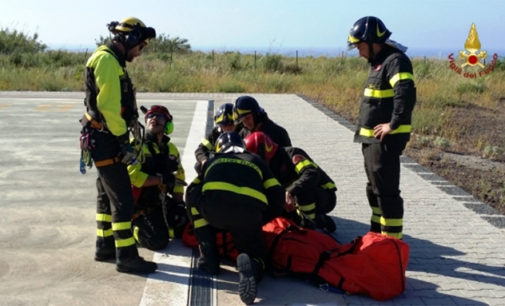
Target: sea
[434, 53]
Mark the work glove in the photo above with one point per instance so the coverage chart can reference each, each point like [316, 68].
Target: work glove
[168, 180]
[127, 155]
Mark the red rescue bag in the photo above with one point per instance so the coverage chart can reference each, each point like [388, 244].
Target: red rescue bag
[373, 265]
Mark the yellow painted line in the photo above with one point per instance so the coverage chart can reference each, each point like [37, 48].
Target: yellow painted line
[65, 107]
[2, 106]
[43, 107]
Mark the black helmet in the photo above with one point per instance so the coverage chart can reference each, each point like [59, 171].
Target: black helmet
[228, 140]
[245, 105]
[368, 29]
[224, 115]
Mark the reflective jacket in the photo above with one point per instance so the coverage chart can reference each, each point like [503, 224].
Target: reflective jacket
[298, 173]
[207, 145]
[242, 178]
[389, 97]
[162, 160]
[110, 96]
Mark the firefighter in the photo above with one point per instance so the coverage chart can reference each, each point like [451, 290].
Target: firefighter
[238, 193]
[223, 122]
[310, 192]
[158, 184]
[384, 121]
[111, 114]
[251, 118]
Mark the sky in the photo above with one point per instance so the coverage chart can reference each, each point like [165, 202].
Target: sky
[267, 25]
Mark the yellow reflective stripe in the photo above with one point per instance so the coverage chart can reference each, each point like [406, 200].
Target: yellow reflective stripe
[329, 185]
[120, 226]
[103, 218]
[376, 211]
[136, 230]
[235, 161]
[196, 180]
[242, 111]
[200, 223]
[404, 128]
[103, 233]
[400, 76]
[377, 93]
[207, 144]
[395, 235]
[271, 183]
[194, 211]
[305, 163]
[352, 39]
[308, 207]
[171, 233]
[235, 189]
[121, 243]
[375, 219]
[391, 222]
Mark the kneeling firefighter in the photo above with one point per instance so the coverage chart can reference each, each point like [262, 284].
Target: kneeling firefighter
[238, 193]
[158, 184]
[310, 192]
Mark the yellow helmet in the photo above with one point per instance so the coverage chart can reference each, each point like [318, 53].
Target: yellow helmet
[127, 24]
[131, 31]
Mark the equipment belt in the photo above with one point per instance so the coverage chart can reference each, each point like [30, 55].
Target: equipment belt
[93, 123]
[107, 162]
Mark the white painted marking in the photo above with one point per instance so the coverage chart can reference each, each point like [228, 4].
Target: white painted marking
[170, 284]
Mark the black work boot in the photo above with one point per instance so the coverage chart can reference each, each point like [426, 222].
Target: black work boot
[129, 261]
[247, 282]
[105, 250]
[136, 266]
[209, 256]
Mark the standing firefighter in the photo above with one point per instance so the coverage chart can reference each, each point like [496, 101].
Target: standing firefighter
[158, 184]
[384, 121]
[238, 193]
[111, 115]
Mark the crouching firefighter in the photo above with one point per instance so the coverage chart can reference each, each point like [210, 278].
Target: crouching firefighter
[158, 184]
[310, 192]
[238, 193]
[111, 115]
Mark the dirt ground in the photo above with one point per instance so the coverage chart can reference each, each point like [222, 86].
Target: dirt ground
[483, 178]
[462, 163]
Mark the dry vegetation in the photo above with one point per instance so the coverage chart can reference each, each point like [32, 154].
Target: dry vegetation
[458, 122]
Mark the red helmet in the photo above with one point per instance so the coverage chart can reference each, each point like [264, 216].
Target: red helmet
[261, 144]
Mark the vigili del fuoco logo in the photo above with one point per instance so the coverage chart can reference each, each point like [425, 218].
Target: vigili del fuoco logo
[471, 62]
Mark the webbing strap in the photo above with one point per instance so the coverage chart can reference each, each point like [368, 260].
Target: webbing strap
[107, 162]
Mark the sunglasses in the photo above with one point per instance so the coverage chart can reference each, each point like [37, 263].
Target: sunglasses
[158, 116]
